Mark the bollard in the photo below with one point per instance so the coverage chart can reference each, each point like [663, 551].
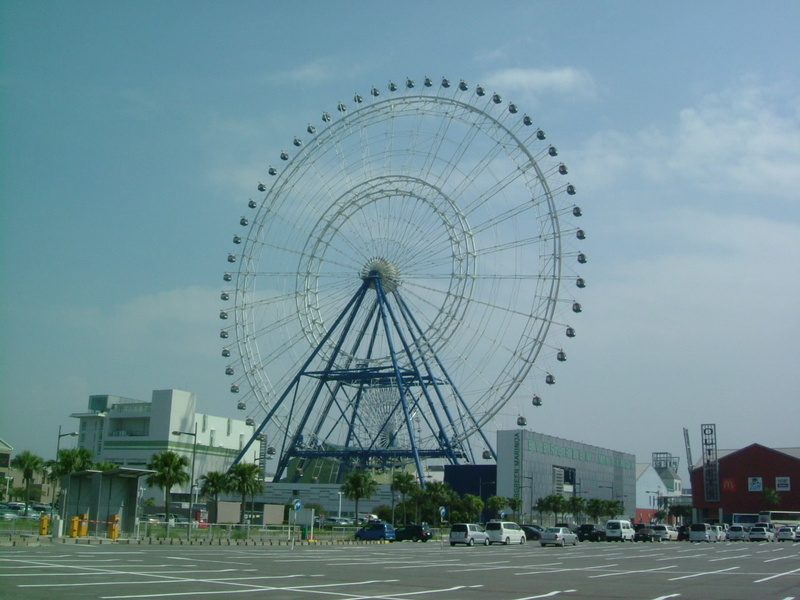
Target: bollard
[113, 527]
[73, 526]
[44, 525]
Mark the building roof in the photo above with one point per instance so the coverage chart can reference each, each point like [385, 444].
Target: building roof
[793, 452]
[5, 445]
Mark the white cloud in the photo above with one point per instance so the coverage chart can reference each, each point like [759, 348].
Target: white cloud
[532, 82]
[318, 71]
[744, 141]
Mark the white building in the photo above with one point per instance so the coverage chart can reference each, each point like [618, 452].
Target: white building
[129, 432]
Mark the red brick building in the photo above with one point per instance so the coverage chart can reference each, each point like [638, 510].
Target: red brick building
[744, 475]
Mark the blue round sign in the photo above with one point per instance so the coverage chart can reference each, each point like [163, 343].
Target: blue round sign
[296, 504]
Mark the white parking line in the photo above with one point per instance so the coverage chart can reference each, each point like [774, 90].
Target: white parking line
[780, 558]
[704, 573]
[777, 575]
[631, 572]
[548, 594]
[157, 581]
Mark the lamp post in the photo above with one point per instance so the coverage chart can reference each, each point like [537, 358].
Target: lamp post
[192, 482]
[58, 450]
[339, 514]
[530, 511]
[9, 479]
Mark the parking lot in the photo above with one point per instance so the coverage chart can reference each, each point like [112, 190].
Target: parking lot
[642, 571]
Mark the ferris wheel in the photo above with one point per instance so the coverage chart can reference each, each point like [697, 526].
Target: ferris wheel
[400, 277]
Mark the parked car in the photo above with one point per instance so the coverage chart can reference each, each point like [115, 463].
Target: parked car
[415, 533]
[380, 530]
[573, 527]
[737, 533]
[468, 534]
[338, 522]
[504, 532]
[619, 530]
[760, 533]
[667, 533]
[558, 536]
[702, 532]
[532, 532]
[683, 533]
[6, 514]
[591, 532]
[646, 534]
[786, 534]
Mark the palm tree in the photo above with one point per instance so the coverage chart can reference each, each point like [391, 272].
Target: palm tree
[72, 460]
[245, 478]
[30, 464]
[595, 508]
[104, 465]
[170, 470]
[576, 505]
[359, 484]
[496, 504]
[473, 505]
[69, 460]
[403, 482]
[515, 504]
[213, 484]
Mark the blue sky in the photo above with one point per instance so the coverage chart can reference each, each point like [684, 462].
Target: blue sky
[133, 134]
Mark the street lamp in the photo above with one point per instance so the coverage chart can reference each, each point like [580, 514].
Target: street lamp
[339, 514]
[58, 450]
[530, 512]
[9, 479]
[192, 483]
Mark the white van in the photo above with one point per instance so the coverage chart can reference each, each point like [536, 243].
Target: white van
[619, 531]
[702, 532]
[505, 532]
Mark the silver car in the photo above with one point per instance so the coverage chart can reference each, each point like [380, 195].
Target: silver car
[558, 536]
[468, 534]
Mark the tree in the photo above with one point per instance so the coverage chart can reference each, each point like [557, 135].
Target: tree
[170, 470]
[69, 460]
[245, 478]
[595, 508]
[212, 484]
[72, 460]
[30, 464]
[680, 511]
[770, 498]
[614, 508]
[515, 504]
[496, 503]
[473, 505]
[576, 505]
[359, 484]
[554, 503]
[435, 495]
[404, 483]
[104, 465]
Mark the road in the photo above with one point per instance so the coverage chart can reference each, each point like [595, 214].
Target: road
[655, 571]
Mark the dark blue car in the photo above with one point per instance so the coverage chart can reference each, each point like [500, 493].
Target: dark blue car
[376, 531]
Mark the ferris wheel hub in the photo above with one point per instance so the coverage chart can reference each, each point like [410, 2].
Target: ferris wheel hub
[385, 270]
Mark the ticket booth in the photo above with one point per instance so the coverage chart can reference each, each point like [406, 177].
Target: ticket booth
[104, 502]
